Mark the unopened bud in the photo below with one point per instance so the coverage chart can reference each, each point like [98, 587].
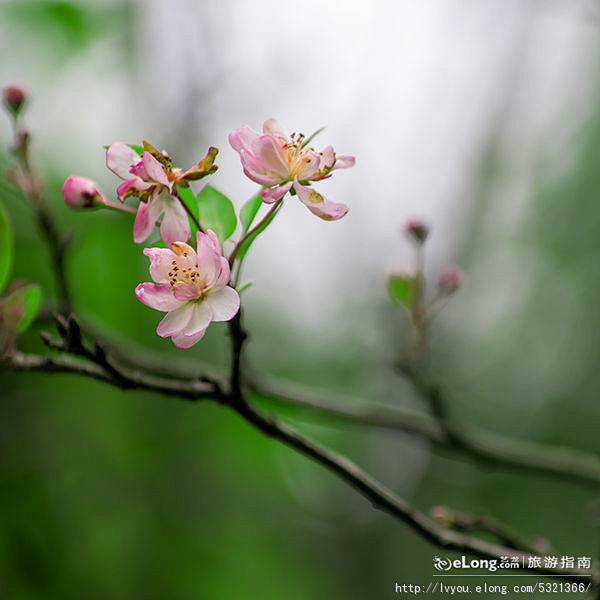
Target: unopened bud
[13, 98]
[417, 230]
[450, 280]
[81, 192]
[443, 515]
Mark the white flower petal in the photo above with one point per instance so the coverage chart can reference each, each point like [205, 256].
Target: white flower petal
[176, 320]
[224, 303]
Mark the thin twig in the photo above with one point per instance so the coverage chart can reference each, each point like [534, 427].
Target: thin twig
[187, 209]
[567, 463]
[377, 493]
[31, 188]
[465, 521]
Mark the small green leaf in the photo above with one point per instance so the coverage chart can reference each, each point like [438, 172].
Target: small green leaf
[402, 288]
[21, 307]
[216, 212]
[312, 136]
[245, 287]
[188, 197]
[245, 246]
[6, 249]
[249, 211]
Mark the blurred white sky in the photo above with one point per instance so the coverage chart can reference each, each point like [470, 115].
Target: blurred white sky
[414, 89]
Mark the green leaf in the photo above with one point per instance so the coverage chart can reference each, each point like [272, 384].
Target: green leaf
[245, 287]
[188, 197]
[21, 307]
[65, 27]
[249, 211]
[216, 212]
[245, 246]
[402, 288]
[6, 249]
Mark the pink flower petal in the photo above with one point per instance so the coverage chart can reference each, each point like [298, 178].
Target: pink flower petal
[269, 152]
[158, 297]
[155, 171]
[175, 226]
[161, 263]
[224, 275]
[344, 162]
[273, 127]
[224, 303]
[186, 291]
[131, 184]
[308, 166]
[176, 320]
[242, 139]
[327, 158]
[271, 195]
[209, 260]
[145, 220]
[186, 254]
[255, 170]
[120, 158]
[318, 204]
[211, 236]
[201, 318]
[184, 343]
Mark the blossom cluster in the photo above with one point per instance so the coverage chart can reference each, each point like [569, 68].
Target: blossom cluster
[192, 286]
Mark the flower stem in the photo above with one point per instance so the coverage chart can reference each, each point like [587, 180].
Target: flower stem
[238, 246]
[187, 210]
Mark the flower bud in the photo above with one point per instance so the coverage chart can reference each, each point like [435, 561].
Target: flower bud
[450, 280]
[81, 192]
[417, 230]
[443, 515]
[13, 98]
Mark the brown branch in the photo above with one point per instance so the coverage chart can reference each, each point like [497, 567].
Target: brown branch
[379, 495]
[567, 463]
[465, 521]
[31, 188]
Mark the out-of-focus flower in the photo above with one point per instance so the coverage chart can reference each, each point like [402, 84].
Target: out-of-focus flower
[13, 98]
[283, 164]
[417, 230]
[450, 280]
[152, 178]
[443, 515]
[81, 192]
[192, 289]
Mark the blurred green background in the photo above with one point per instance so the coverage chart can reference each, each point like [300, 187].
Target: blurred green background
[111, 494]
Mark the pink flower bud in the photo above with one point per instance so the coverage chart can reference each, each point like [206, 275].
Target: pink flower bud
[443, 515]
[417, 230]
[81, 192]
[450, 280]
[13, 98]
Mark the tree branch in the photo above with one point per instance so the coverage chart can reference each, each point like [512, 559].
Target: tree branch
[379, 495]
[567, 463]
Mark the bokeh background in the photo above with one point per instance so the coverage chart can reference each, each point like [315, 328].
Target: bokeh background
[481, 116]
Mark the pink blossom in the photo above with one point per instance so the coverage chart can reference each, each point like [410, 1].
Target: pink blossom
[146, 178]
[192, 289]
[281, 164]
[81, 192]
[152, 179]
